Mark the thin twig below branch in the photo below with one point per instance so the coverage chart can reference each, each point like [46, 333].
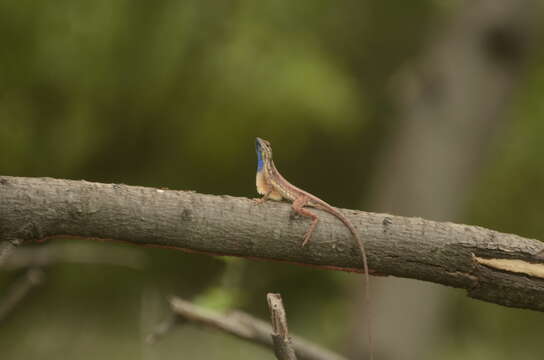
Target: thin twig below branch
[7, 247]
[283, 345]
[50, 254]
[246, 327]
[19, 290]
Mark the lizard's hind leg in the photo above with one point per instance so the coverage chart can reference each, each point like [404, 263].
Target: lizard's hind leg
[298, 207]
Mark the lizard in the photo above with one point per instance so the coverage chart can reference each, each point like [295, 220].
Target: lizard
[272, 185]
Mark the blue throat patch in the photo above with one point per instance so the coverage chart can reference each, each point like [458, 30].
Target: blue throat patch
[260, 162]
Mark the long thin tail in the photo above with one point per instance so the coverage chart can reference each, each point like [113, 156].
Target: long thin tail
[361, 245]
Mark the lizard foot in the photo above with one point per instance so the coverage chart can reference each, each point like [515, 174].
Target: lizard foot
[306, 239]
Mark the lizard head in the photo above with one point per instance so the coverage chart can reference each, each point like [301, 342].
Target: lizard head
[264, 152]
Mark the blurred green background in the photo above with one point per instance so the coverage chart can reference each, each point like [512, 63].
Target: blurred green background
[172, 94]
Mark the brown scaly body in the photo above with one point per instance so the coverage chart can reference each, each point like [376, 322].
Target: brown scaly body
[273, 186]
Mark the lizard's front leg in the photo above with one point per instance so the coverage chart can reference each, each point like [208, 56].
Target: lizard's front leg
[298, 207]
[264, 198]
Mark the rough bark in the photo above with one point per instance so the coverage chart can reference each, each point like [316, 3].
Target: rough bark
[491, 266]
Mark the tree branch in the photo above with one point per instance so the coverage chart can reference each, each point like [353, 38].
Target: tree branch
[247, 327]
[41, 256]
[492, 266]
[7, 247]
[19, 290]
[283, 344]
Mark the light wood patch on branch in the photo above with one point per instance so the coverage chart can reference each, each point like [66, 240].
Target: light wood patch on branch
[516, 266]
